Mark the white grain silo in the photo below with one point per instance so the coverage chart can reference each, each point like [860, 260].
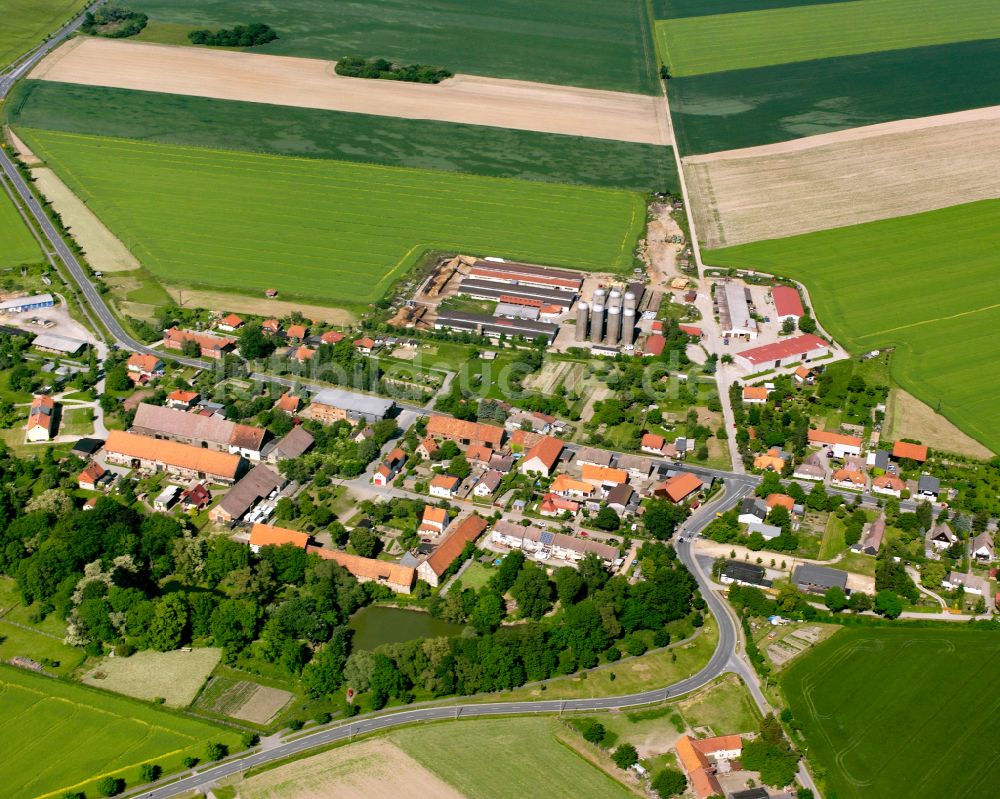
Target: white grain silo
[582, 317]
[597, 323]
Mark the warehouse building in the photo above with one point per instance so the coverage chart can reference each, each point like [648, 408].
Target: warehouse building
[797, 349]
[496, 291]
[179, 460]
[735, 320]
[494, 327]
[32, 303]
[333, 404]
[210, 432]
[527, 275]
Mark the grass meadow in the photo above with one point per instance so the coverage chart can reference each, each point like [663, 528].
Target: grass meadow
[923, 284]
[325, 230]
[506, 759]
[671, 9]
[27, 22]
[17, 245]
[760, 38]
[69, 736]
[590, 43]
[883, 708]
[744, 108]
[313, 133]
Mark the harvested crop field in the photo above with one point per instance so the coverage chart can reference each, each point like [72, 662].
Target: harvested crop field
[924, 284]
[104, 252]
[746, 108]
[574, 42]
[175, 676]
[325, 230]
[376, 769]
[312, 83]
[846, 178]
[259, 306]
[315, 133]
[909, 418]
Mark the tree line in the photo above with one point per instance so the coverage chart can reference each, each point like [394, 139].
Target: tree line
[381, 69]
[252, 35]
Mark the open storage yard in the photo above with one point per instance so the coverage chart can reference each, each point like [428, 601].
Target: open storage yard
[575, 42]
[763, 37]
[51, 755]
[313, 228]
[315, 133]
[924, 284]
[846, 178]
[886, 708]
[312, 83]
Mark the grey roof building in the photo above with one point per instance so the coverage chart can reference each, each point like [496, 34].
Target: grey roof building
[928, 485]
[817, 579]
[355, 405]
[742, 573]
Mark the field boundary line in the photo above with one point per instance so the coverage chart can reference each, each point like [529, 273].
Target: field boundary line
[973, 312]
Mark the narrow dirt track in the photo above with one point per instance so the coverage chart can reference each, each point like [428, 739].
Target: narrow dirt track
[312, 83]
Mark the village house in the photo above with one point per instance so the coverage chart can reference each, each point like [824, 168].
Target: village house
[444, 486]
[296, 332]
[544, 545]
[752, 509]
[653, 444]
[270, 326]
[570, 488]
[143, 368]
[928, 487]
[182, 460]
[754, 395]
[888, 485]
[772, 460]
[182, 400]
[939, 538]
[971, 583]
[981, 547]
[478, 455]
[637, 467]
[258, 484]
[451, 546]
[331, 337]
[588, 456]
[394, 576]
[41, 424]
[287, 403]
[773, 500]
[679, 487]
[872, 541]
[215, 347]
[230, 323]
[767, 531]
[603, 478]
[363, 434]
[488, 484]
[426, 448]
[302, 354]
[554, 505]
[542, 457]
[850, 479]
[387, 470]
[433, 521]
[814, 579]
[840, 445]
[211, 432]
[803, 375]
[298, 441]
[196, 497]
[622, 498]
[365, 345]
[703, 758]
[92, 476]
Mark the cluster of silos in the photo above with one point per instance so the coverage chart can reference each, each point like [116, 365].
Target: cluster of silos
[611, 316]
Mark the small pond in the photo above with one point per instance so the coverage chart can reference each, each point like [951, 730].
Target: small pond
[374, 626]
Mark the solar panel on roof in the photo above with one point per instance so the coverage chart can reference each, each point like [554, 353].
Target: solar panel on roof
[547, 538]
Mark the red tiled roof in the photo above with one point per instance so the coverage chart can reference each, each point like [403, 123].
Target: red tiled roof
[653, 441]
[796, 345]
[262, 535]
[296, 331]
[779, 499]
[787, 301]
[754, 393]
[654, 345]
[547, 451]
[914, 452]
[331, 337]
[231, 320]
[680, 486]
[691, 330]
[144, 363]
[823, 437]
[454, 542]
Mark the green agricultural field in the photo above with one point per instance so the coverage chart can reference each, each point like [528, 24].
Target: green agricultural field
[886, 708]
[326, 230]
[506, 759]
[924, 284]
[17, 245]
[743, 108]
[591, 43]
[721, 42]
[312, 133]
[27, 22]
[68, 736]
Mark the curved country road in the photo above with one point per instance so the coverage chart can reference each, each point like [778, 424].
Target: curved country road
[722, 661]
